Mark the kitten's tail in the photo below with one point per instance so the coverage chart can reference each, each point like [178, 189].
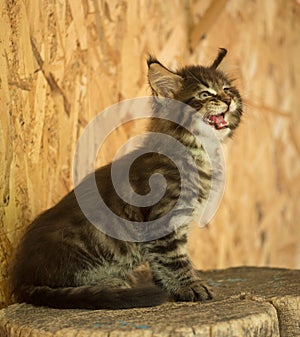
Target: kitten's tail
[92, 297]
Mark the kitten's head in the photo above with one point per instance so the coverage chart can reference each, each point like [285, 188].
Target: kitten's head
[206, 89]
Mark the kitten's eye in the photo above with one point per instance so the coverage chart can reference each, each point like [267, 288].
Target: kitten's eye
[204, 94]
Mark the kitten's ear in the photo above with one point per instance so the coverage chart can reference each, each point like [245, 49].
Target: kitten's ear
[163, 82]
[222, 53]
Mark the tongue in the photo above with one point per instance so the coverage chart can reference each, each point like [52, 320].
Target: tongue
[218, 121]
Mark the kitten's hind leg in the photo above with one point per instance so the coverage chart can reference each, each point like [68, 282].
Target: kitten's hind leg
[122, 291]
[104, 277]
[114, 283]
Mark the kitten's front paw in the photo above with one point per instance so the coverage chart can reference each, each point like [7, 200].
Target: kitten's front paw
[195, 292]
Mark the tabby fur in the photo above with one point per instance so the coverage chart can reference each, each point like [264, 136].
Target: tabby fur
[64, 261]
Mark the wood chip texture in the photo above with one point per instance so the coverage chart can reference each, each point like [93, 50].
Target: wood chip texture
[63, 62]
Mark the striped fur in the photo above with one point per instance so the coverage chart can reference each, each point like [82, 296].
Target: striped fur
[63, 261]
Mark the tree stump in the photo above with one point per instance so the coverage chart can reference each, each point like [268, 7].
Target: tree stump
[248, 301]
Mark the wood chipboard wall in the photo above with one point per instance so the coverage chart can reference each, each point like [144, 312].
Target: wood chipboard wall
[62, 62]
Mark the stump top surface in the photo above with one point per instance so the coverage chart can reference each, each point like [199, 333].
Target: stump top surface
[174, 318]
[248, 302]
[254, 282]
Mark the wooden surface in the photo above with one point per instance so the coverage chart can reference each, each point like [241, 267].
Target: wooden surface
[248, 302]
[64, 61]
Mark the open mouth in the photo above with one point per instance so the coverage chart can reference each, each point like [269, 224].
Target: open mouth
[217, 121]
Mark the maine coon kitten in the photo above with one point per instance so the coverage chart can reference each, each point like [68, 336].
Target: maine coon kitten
[63, 261]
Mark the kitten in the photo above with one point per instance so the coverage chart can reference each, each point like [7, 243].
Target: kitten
[63, 261]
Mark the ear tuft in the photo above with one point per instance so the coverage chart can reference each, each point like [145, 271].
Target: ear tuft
[163, 82]
[222, 53]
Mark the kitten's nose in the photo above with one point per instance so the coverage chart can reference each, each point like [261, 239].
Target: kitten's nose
[226, 99]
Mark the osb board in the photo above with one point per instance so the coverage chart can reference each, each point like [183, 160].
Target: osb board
[64, 61]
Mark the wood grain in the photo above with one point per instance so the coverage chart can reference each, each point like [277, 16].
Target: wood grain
[63, 62]
[248, 302]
